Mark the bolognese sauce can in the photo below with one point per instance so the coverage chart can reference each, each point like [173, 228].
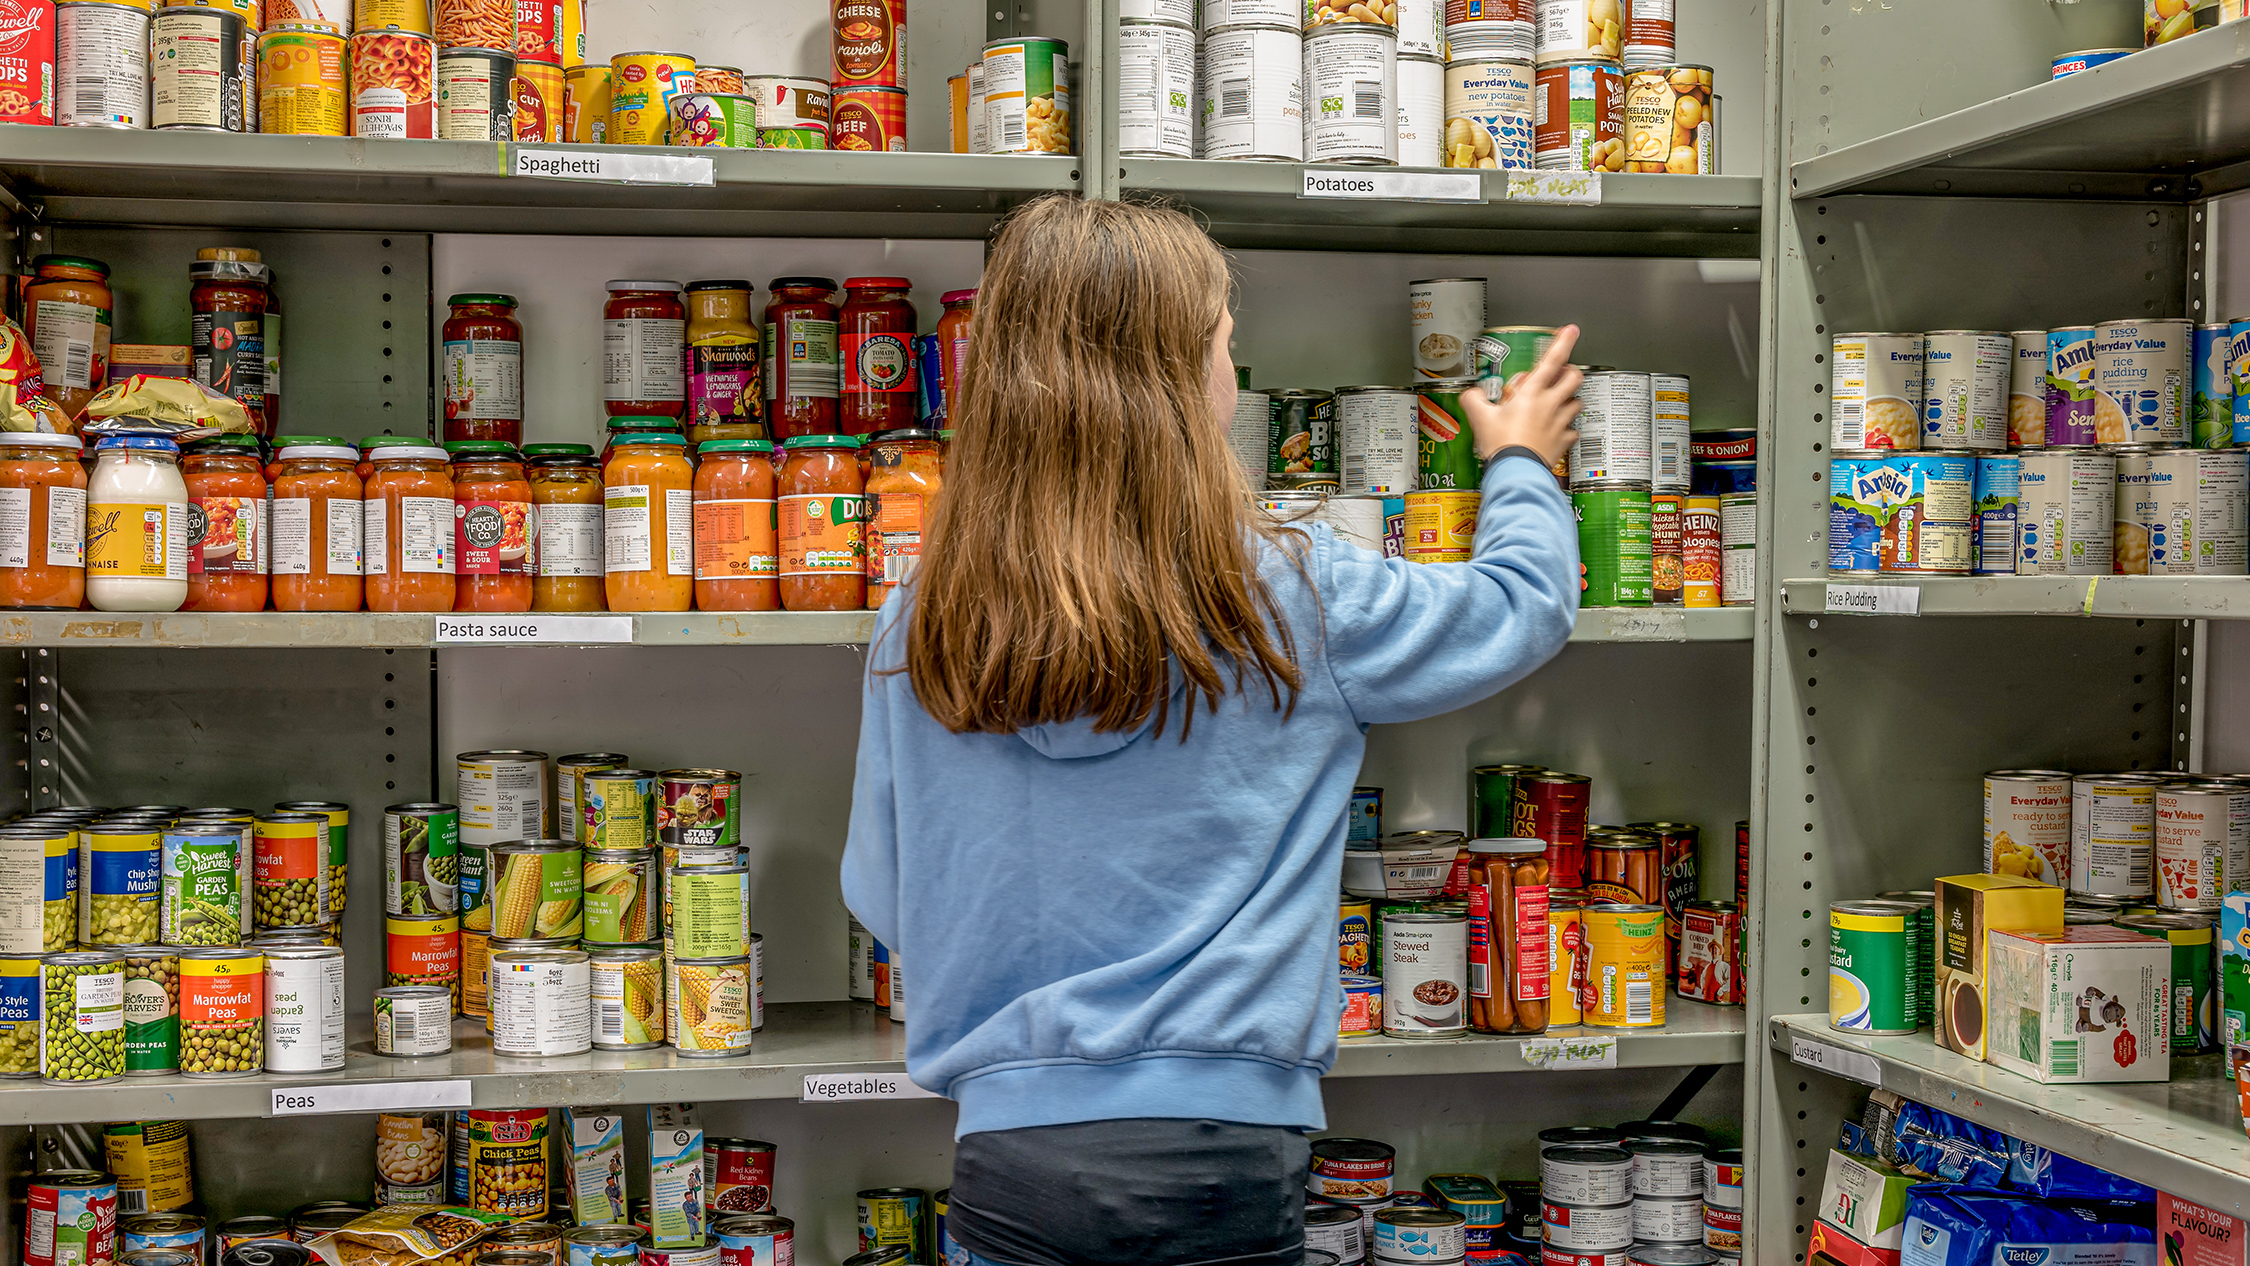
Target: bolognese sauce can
[1551, 806]
[394, 78]
[27, 61]
[476, 95]
[868, 119]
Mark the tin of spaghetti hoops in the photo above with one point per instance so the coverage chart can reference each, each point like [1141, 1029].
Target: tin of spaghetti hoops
[27, 72]
[301, 80]
[393, 79]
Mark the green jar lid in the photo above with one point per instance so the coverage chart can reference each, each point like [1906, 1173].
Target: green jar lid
[69, 261]
[735, 446]
[558, 450]
[249, 443]
[507, 301]
[645, 437]
[623, 423]
[820, 441]
[374, 442]
[293, 441]
[472, 450]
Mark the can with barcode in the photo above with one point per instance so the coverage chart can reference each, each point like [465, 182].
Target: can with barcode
[2065, 516]
[1156, 89]
[1625, 966]
[1875, 381]
[626, 985]
[1378, 438]
[305, 1009]
[101, 61]
[1250, 93]
[413, 1020]
[503, 796]
[1350, 86]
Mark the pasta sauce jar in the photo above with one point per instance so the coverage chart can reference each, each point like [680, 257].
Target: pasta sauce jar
[644, 336]
[953, 343]
[822, 532]
[875, 345]
[566, 495]
[409, 530]
[737, 551]
[648, 524]
[801, 371]
[66, 315]
[725, 398]
[43, 529]
[317, 529]
[496, 542]
[483, 369]
[227, 536]
[227, 303]
[902, 484]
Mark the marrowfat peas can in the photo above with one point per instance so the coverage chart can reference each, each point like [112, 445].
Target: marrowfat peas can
[2133, 509]
[1964, 388]
[1615, 543]
[1446, 314]
[1931, 525]
[2113, 834]
[540, 1002]
[1875, 385]
[1421, 111]
[1669, 421]
[291, 884]
[393, 80]
[2210, 390]
[413, 1020]
[419, 951]
[475, 95]
[2202, 843]
[1488, 114]
[2027, 824]
[1578, 116]
[1614, 430]
[1425, 957]
[1585, 1174]
[2070, 388]
[1998, 490]
[2200, 525]
[1870, 963]
[1626, 972]
[304, 1009]
[1587, 1228]
[2141, 381]
[627, 990]
[503, 796]
[1247, 436]
[1301, 433]
[101, 65]
[1027, 96]
[2027, 389]
[1350, 85]
[222, 1011]
[1413, 1234]
[1250, 87]
[2065, 523]
[1156, 101]
[193, 51]
[1380, 451]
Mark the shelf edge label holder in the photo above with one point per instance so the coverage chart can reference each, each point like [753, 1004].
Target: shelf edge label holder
[1578, 188]
[381, 1096]
[1874, 600]
[1393, 185]
[1835, 1060]
[611, 166]
[856, 1087]
[1570, 1054]
[519, 630]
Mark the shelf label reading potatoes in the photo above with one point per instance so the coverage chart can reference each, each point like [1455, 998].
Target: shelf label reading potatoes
[567, 630]
[613, 167]
[382, 1096]
[1569, 1054]
[1856, 1065]
[851, 1087]
[1875, 599]
[1403, 186]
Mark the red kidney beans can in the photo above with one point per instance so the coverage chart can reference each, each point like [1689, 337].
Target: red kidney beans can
[1551, 806]
[27, 61]
[739, 1175]
[70, 1219]
[1710, 958]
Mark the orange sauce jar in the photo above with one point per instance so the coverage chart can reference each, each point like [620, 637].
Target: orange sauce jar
[67, 308]
[737, 550]
[229, 546]
[496, 541]
[566, 492]
[368, 446]
[953, 343]
[648, 524]
[822, 535]
[409, 533]
[43, 487]
[902, 485]
[619, 427]
[316, 529]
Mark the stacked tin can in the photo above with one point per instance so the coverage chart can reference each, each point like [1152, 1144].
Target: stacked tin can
[1157, 49]
[1637, 1190]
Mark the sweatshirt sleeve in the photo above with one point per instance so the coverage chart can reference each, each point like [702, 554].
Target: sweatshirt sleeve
[1410, 640]
[870, 870]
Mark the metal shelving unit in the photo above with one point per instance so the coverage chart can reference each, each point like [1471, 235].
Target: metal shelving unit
[2135, 597]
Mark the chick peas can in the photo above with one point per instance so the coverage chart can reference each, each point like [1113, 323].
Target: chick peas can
[119, 869]
[222, 1012]
[506, 1160]
[1488, 114]
[1669, 126]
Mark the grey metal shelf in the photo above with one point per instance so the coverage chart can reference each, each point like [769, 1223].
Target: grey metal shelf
[318, 182]
[1258, 205]
[2137, 597]
[2184, 1136]
[1664, 624]
[2169, 123]
[798, 1039]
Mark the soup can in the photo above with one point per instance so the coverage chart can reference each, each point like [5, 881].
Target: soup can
[1026, 96]
[1579, 115]
[2201, 500]
[1615, 543]
[783, 102]
[393, 79]
[1421, 111]
[1351, 88]
[2210, 391]
[708, 1006]
[586, 104]
[413, 1020]
[1249, 91]
[2027, 824]
[1445, 315]
[2027, 387]
[1875, 382]
[2071, 407]
[301, 80]
[1615, 430]
[713, 119]
[868, 120]
[2141, 381]
[476, 97]
[2065, 522]
[1625, 966]
[1998, 491]
[190, 51]
[641, 87]
[1669, 124]
[1964, 385]
[101, 65]
[540, 1002]
[1301, 433]
[1155, 115]
[1425, 962]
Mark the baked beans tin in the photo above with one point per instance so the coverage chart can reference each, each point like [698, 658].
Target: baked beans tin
[1425, 958]
[2202, 843]
[70, 1218]
[1421, 111]
[1351, 1169]
[1997, 489]
[2113, 834]
[190, 51]
[1350, 86]
[1249, 92]
[1488, 114]
[1875, 382]
[413, 1020]
[2027, 824]
[2027, 388]
[783, 102]
[1155, 105]
[2071, 407]
[1710, 960]
[870, 120]
[394, 79]
[1669, 124]
[1027, 106]
[1616, 543]
[101, 57]
[1578, 115]
[2141, 381]
[641, 87]
[2200, 520]
[301, 80]
[1492, 28]
[1931, 524]
[1586, 1228]
[1378, 431]
[541, 102]
[586, 104]
[1964, 385]
[2065, 523]
[1625, 967]
[1615, 430]
[1410, 1234]
[475, 95]
[1363, 1006]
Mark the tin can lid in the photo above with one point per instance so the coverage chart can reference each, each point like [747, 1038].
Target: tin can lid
[627, 284]
[1512, 846]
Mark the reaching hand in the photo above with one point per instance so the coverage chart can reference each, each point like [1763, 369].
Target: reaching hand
[1538, 408]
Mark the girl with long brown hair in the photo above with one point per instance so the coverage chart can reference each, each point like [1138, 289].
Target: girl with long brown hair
[1109, 733]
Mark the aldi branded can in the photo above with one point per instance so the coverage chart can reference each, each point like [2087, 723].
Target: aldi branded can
[2141, 381]
[1997, 490]
[1614, 430]
[1871, 955]
[2065, 521]
[2210, 390]
[1614, 543]
[1964, 388]
[1250, 90]
[2027, 388]
[101, 65]
[2071, 389]
[2200, 519]
[1156, 106]
[1350, 90]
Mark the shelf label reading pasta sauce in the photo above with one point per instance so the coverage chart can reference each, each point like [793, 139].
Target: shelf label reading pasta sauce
[66, 526]
[142, 540]
[735, 540]
[570, 540]
[822, 534]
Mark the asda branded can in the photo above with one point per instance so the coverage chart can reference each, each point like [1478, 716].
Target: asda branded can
[1445, 448]
[2071, 389]
[1871, 968]
[2193, 1005]
[1998, 486]
[1301, 433]
[1377, 425]
[2210, 390]
[1614, 543]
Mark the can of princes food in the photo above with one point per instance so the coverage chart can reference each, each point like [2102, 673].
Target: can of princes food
[304, 1009]
[2201, 508]
[1249, 92]
[1997, 490]
[393, 79]
[1421, 111]
[503, 796]
[2141, 381]
[413, 1020]
[2085, 59]
[1350, 87]
[2027, 388]
[193, 51]
[1614, 430]
[1155, 112]
[540, 1002]
[1578, 115]
[1875, 381]
[475, 95]
[2113, 835]
[2065, 522]
[101, 65]
[2071, 406]
[1489, 113]
[1615, 543]
[1425, 957]
[1964, 382]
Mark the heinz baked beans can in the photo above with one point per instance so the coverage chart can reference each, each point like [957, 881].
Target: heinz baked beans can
[476, 95]
[412, 16]
[869, 44]
[101, 52]
[586, 104]
[301, 80]
[27, 73]
[190, 50]
[868, 120]
[540, 105]
[641, 88]
[394, 76]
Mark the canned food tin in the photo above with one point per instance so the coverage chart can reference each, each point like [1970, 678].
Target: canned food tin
[1578, 114]
[756, 1238]
[1445, 447]
[2113, 834]
[1566, 960]
[289, 863]
[205, 898]
[1667, 567]
[1363, 520]
[1615, 543]
[710, 912]
[869, 44]
[1872, 948]
[868, 120]
[1669, 124]
[1863, 491]
[475, 894]
[503, 796]
[1409, 1234]
[542, 1239]
[1246, 434]
[641, 87]
[620, 900]
[2133, 511]
[1875, 382]
[1710, 965]
[393, 81]
[475, 95]
[1352, 1169]
[2027, 824]
[2210, 391]
[1550, 805]
[1615, 430]
[1301, 433]
[180, 1231]
[780, 101]
[192, 51]
[2193, 1005]
[586, 103]
[1504, 353]
[1622, 868]
[2027, 388]
[236, 1232]
[602, 1246]
[301, 80]
[222, 1012]
[1224, 13]
[1667, 1169]
[2071, 407]
[2202, 843]
[895, 1217]
[628, 997]
[51, 855]
[1491, 28]
[1380, 452]
[70, 1216]
[474, 993]
[570, 793]
[1586, 1174]
[489, 24]
[119, 868]
[708, 1011]
[1650, 34]
[618, 809]
[413, 16]
[410, 1155]
[1027, 96]
[422, 951]
[1351, 87]
[2238, 379]
[2199, 523]
[149, 1159]
[739, 1174]
[540, 1003]
[1421, 111]
[421, 859]
[1155, 105]
[1625, 968]
[712, 119]
[1249, 91]
[2065, 522]
[700, 808]
[503, 1160]
[1931, 525]
[1445, 315]
[1441, 525]
[1488, 114]
[1997, 488]
[2141, 381]
[101, 65]
[1669, 434]
[413, 1020]
[541, 103]
[1363, 1006]
[1582, 28]
[1334, 1229]
[21, 1019]
[338, 817]
[1587, 1228]
[1964, 385]
[537, 890]
[2085, 59]
[1425, 957]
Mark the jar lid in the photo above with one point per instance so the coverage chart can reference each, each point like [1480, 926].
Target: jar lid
[820, 441]
[150, 443]
[69, 261]
[341, 452]
[373, 442]
[1511, 847]
[41, 439]
[506, 301]
[228, 270]
[626, 423]
[242, 254]
[646, 437]
[726, 284]
[558, 450]
[423, 452]
[481, 450]
[735, 446]
[951, 297]
[877, 283]
[904, 435]
[216, 442]
[947, 435]
[562, 461]
[798, 283]
[292, 441]
[671, 287]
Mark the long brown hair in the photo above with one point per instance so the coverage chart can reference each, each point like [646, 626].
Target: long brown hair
[1095, 531]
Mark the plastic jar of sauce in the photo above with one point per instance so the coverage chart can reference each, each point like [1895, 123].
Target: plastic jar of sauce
[902, 485]
[318, 514]
[227, 303]
[726, 397]
[229, 546]
[644, 339]
[875, 344]
[483, 369]
[496, 542]
[953, 342]
[42, 488]
[566, 494]
[136, 526]
[648, 525]
[409, 531]
[737, 551]
[822, 533]
[802, 379]
[66, 314]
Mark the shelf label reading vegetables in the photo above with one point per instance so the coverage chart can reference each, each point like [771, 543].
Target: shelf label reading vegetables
[1413, 186]
[613, 167]
[1875, 599]
[1856, 1065]
[1568, 1054]
[849, 1087]
[385, 1096]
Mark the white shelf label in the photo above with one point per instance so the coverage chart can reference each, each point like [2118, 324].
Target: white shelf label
[613, 167]
[1835, 1060]
[384, 1096]
[1629, 624]
[1568, 1054]
[1410, 186]
[850, 1087]
[1580, 187]
[1875, 599]
[572, 630]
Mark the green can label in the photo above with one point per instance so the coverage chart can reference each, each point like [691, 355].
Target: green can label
[700, 810]
[475, 893]
[536, 896]
[710, 913]
[620, 898]
[203, 894]
[152, 1013]
[421, 861]
[1616, 543]
[2194, 1002]
[1872, 983]
[1301, 433]
[1445, 450]
[1505, 352]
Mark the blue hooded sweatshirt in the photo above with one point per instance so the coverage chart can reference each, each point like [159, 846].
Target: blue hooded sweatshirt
[1107, 925]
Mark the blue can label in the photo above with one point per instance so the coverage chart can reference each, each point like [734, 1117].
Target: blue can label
[2210, 389]
[2238, 380]
[1856, 510]
[1999, 491]
[1366, 820]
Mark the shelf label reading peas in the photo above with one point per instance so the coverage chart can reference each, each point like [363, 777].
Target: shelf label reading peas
[390, 1096]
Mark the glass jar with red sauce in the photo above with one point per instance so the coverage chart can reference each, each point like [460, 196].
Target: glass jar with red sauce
[67, 309]
[227, 301]
[737, 552]
[902, 487]
[375, 443]
[875, 346]
[801, 371]
[618, 428]
[46, 567]
[228, 544]
[409, 532]
[644, 349]
[317, 529]
[483, 369]
[496, 542]
[823, 537]
[953, 343]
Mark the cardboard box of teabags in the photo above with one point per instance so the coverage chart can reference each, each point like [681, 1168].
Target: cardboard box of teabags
[2083, 1004]
[1831, 1247]
[677, 1199]
[1969, 909]
[1865, 1199]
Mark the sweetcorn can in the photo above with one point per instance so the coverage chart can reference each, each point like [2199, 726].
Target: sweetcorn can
[708, 1011]
[620, 901]
[627, 990]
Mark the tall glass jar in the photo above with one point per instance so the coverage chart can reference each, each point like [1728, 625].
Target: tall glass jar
[648, 525]
[1509, 978]
[822, 533]
[616, 429]
[566, 490]
[875, 345]
[902, 486]
[137, 514]
[43, 483]
[644, 339]
[802, 379]
[953, 342]
[737, 553]
[67, 311]
[483, 369]
[317, 522]
[229, 545]
[227, 302]
[409, 533]
[725, 380]
[496, 530]
[369, 446]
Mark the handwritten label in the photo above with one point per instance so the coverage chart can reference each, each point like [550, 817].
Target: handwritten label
[613, 167]
[1568, 1054]
[1404, 186]
[382, 1096]
[1581, 187]
[850, 1087]
[1835, 1060]
[573, 630]
[1875, 599]
[1625, 624]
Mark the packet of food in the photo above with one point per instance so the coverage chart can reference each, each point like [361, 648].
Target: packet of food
[25, 406]
[177, 407]
[597, 1165]
[401, 1234]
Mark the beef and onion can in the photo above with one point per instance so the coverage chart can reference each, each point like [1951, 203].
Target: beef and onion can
[1626, 971]
[393, 83]
[2200, 519]
[1585, 1174]
[1421, 111]
[2071, 390]
[201, 79]
[1414, 1235]
[475, 95]
[413, 1020]
[1669, 123]
[1425, 957]
[1352, 1169]
[2065, 523]
[2141, 381]
[1350, 86]
[2027, 824]
[1616, 543]
[1156, 89]
[1578, 115]
[2210, 389]
[1378, 432]
[1488, 114]
[1250, 92]
[101, 65]
[1582, 1229]
[2113, 835]
[1998, 492]
[304, 1009]
[2027, 388]
[1710, 959]
[503, 796]
[1614, 430]
[1964, 388]
[540, 1002]
[1875, 384]
[2202, 843]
